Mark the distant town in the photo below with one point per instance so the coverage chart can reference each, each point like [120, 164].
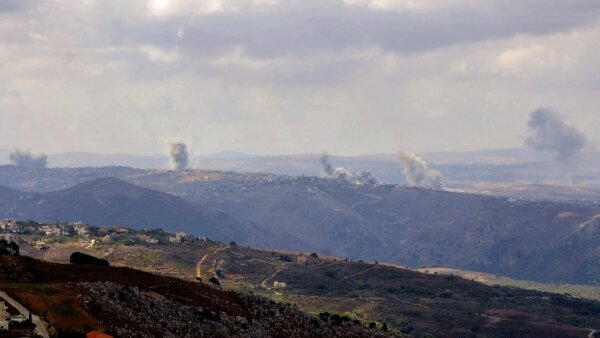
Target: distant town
[39, 235]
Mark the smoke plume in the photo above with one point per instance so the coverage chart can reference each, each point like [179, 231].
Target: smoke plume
[343, 175]
[326, 163]
[418, 174]
[552, 134]
[178, 155]
[24, 159]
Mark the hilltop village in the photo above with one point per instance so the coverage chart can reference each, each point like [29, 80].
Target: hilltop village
[40, 235]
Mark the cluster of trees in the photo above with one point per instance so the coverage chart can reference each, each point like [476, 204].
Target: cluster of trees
[8, 249]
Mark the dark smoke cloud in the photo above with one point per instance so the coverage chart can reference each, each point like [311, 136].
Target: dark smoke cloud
[24, 159]
[552, 134]
[178, 155]
[326, 163]
[417, 172]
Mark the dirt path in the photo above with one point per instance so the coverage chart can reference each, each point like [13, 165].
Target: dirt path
[376, 199]
[201, 261]
[359, 273]
[592, 333]
[40, 329]
[264, 283]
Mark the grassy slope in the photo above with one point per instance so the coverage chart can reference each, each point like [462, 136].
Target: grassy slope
[575, 290]
[412, 302]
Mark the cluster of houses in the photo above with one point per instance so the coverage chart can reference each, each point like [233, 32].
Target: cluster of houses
[40, 235]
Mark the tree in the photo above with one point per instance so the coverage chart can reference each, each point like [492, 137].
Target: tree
[13, 248]
[3, 247]
[8, 249]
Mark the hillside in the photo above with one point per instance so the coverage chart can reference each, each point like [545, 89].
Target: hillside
[414, 303]
[112, 201]
[130, 303]
[542, 241]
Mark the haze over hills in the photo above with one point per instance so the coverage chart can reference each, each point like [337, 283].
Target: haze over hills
[416, 227]
[112, 201]
[478, 171]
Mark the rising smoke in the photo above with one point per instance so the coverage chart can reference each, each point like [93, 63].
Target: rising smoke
[550, 133]
[417, 172]
[343, 175]
[178, 154]
[326, 163]
[24, 159]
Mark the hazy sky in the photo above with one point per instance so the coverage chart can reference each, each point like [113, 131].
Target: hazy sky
[289, 76]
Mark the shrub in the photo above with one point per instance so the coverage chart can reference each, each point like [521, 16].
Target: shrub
[407, 329]
[214, 280]
[285, 258]
[8, 249]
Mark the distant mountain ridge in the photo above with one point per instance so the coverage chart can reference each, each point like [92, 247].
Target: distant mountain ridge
[460, 169]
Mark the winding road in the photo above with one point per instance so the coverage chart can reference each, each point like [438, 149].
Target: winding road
[199, 265]
[40, 329]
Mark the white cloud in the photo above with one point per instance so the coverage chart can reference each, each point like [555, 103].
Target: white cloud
[202, 7]
[237, 56]
[159, 55]
[411, 5]
[531, 60]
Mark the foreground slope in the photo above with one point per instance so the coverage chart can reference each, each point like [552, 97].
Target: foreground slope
[131, 303]
[403, 300]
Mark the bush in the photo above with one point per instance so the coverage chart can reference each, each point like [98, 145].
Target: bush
[336, 318]
[214, 280]
[84, 259]
[285, 258]
[314, 255]
[8, 249]
[407, 329]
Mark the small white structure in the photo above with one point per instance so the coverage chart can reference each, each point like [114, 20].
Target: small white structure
[40, 245]
[18, 319]
[279, 285]
[180, 237]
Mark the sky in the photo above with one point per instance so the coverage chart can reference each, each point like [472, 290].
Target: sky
[280, 77]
